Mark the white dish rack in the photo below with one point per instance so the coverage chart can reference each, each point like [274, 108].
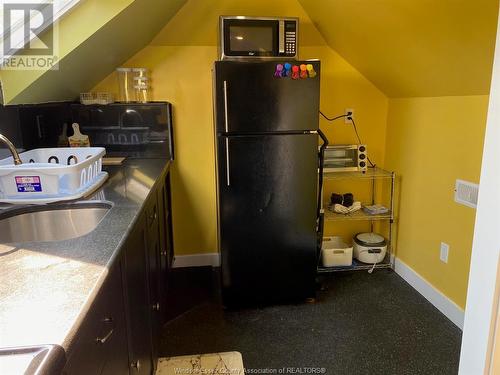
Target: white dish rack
[52, 174]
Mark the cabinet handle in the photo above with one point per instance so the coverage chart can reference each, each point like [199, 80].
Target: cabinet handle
[136, 365]
[105, 338]
[153, 216]
[156, 306]
[163, 253]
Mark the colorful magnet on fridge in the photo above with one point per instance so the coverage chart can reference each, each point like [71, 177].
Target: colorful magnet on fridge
[310, 70]
[278, 71]
[303, 71]
[286, 71]
[295, 72]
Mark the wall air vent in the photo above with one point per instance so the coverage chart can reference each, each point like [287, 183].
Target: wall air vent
[466, 193]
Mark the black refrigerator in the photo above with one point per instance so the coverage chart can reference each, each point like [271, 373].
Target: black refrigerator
[266, 124]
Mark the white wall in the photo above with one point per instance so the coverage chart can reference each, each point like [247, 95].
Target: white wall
[482, 294]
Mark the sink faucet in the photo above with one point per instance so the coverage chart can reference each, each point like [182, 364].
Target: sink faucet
[12, 149]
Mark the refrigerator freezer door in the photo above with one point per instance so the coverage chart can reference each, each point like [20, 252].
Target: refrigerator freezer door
[267, 213]
[250, 99]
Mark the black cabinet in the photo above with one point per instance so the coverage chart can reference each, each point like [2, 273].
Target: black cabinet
[138, 312]
[153, 270]
[145, 268]
[101, 344]
[159, 253]
[122, 330]
[166, 243]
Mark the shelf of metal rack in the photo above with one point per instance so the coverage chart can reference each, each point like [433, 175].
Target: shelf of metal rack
[372, 174]
[357, 215]
[358, 266]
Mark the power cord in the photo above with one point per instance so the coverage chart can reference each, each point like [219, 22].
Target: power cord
[355, 129]
[348, 115]
[370, 271]
[372, 165]
[333, 118]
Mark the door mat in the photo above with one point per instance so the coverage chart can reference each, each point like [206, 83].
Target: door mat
[228, 363]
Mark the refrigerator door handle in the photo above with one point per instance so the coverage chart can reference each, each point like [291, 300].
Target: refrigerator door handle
[226, 121]
[228, 177]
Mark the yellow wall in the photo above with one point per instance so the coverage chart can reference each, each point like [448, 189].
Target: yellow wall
[431, 142]
[180, 59]
[343, 87]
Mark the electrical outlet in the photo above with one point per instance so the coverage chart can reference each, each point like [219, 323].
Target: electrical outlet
[443, 254]
[347, 120]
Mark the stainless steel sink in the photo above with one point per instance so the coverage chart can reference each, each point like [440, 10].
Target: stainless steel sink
[39, 360]
[51, 223]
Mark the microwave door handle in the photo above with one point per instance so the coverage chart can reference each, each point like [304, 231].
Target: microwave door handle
[226, 120]
[281, 36]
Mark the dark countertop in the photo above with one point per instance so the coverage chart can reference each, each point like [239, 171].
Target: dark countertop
[46, 288]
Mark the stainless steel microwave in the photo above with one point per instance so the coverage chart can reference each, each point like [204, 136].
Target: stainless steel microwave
[258, 38]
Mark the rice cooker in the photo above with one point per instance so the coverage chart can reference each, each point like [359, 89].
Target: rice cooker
[369, 247]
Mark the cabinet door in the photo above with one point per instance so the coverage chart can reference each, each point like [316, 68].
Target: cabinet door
[137, 302]
[169, 231]
[164, 217]
[85, 356]
[115, 334]
[153, 258]
[100, 346]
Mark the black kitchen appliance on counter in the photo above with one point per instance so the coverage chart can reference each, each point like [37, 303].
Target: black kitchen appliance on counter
[128, 129]
[267, 179]
[125, 129]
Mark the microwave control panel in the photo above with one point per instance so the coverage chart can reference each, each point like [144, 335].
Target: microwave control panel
[289, 31]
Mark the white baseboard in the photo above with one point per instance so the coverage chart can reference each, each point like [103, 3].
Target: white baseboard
[197, 260]
[449, 308]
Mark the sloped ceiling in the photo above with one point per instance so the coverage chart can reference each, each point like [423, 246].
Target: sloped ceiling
[411, 48]
[407, 48]
[93, 58]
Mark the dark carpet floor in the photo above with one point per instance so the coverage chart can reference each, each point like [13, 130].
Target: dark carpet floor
[360, 324]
